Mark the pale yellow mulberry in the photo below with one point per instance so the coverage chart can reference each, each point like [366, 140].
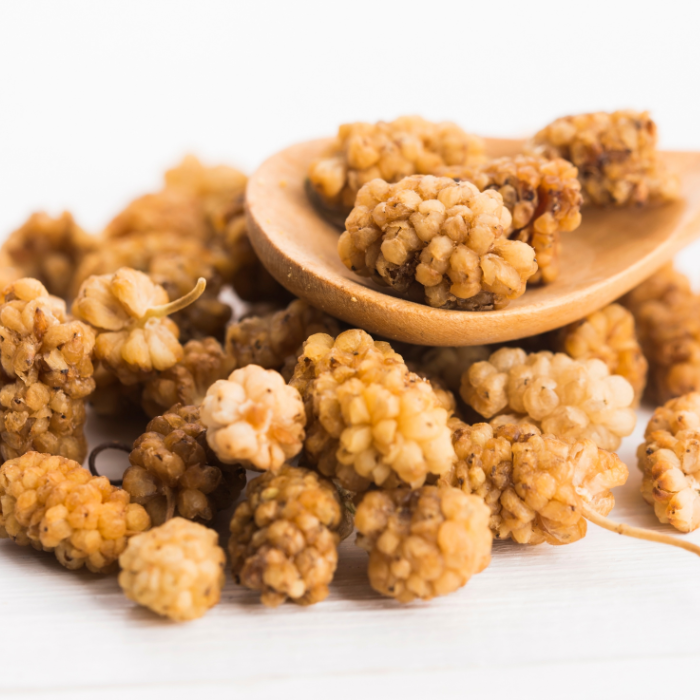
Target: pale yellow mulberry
[176, 570]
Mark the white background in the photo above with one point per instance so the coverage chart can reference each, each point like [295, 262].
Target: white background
[97, 98]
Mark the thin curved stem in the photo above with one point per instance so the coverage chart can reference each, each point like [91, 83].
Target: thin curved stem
[113, 445]
[638, 532]
[174, 306]
[170, 501]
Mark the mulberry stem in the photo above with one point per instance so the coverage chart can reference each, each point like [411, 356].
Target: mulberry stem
[638, 532]
[170, 501]
[113, 445]
[174, 306]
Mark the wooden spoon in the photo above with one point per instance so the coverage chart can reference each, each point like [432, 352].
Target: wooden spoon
[612, 251]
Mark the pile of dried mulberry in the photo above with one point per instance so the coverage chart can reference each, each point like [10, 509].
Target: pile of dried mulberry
[54, 504]
[565, 397]
[382, 442]
[615, 154]
[443, 235]
[284, 536]
[390, 151]
[174, 471]
[46, 374]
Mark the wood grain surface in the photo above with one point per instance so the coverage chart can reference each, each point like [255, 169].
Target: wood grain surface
[612, 251]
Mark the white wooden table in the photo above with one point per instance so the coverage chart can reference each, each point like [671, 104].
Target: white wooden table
[603, 615]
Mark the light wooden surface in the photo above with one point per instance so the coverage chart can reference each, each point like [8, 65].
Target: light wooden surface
[601, 618]
[611, 252]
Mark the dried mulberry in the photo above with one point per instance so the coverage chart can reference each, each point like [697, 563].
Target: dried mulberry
[174, 263]
[284, 536]
[370, 419]
[174, 210]
[274, 340]
[221, 191]
[173, 470]
[217, 187]
[47, 374]
[129, 313]
[539, 488]
[565, 397]
[608, 335]
[49, 249]
[390, 151]
[423, 543]
[176, 570]
[187, 382]
[667, 314]
[615, 155]
[543, 197]
[443, 235]
[255, 418]
[54, 504]
[669, 460]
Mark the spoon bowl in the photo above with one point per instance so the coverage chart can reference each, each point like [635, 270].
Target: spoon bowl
[611, 252]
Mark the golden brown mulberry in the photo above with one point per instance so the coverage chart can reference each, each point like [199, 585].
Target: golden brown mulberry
[255, 418]
[49, 249]
[274, 340]
[221, 190]
[615, 154]
[217, 187]
[539, 488]
[54, 504]
[667, 315]
[443, 235]
[174, 210]
[111, 397]
[370, 419]
[543, 197]
[129, 313]
[284, 536]
[174, 263]
[187, 382]
[608, 335]
[669, 459]
[176, 570]
[47, 374]
[173, 470]
[423, 543]
[388, 150]
[565, 397]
